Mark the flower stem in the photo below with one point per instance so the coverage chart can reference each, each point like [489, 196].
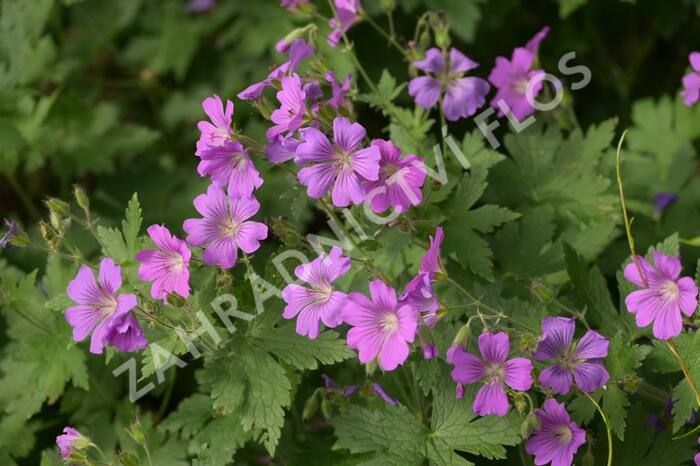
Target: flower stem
[628, 223]
[607, 426]
[684, 368]
[630, 240]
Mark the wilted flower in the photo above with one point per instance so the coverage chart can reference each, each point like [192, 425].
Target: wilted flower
[664, 297]
[167, 267]
[582, 362]
[101, 311]
[663, 200]
[298, 50]
[381, 327]
[318, 302]
[11, 233]
[557, 439]
[463, 96]
[493, 369]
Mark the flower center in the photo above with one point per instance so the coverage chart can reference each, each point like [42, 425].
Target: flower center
[670, 291]
[389, 170]
[177, 262]
[230, 229]
[344, 159]
[107, 306]
[520, 85]
[493, 373]
[389, 323]
[563, 434]
[323, 292]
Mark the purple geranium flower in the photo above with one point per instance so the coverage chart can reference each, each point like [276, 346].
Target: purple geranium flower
[381, 327]
[338, 90]
[419, 293]
[431, 263]
[347, 14]
[101, 311]
[582, 363]
[225, 227]
[282, 149]
[400, 179]
[696, 459]
[318, 302]
[691, 81]
[558, 437]
[167, 267]
[493, 369]
[463, 96]
[292, 5]
[217, 132]
[69, 441]
[533, 45]
[344, 164]
[290, 116]
[230, 167]
[664, 296]
[298, 50]
[12, 232]
[511, 78]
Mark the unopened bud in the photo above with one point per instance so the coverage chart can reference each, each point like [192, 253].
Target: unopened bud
[542, 293]
[176, 300]
[630, 383]
[459, 392]
[310, 406]
[128, 459]
[81, 197]
[588, 459]
[519, 402]
[58, 207]
[326, 408]
[388, 5]
[136, 432]
[532, 422]
[423, 41]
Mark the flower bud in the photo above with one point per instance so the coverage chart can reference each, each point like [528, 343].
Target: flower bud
[423, 42]
[326, 408]
[128, 459]
[81, 197]
[459, 392]
[387, 5]
[58, 207]
[544, 294]
[630, 383]
[588, 459]
[176, 300]
[519, 402]
[136, 432]
[532, 422]
[310, 406]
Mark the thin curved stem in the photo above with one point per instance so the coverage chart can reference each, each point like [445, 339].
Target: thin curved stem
[684, 368]
[607, 426]
[630, 240]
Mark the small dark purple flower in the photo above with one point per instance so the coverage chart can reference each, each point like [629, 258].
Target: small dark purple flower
[663, 200]
[199, 6]
[350, 389]
[12, 232]
[382, 394]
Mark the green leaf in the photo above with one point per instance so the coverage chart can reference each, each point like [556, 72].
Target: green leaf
[301, 352]
[113, 244]
[592, 291]
[131, 225]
